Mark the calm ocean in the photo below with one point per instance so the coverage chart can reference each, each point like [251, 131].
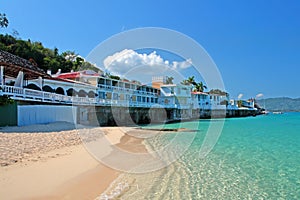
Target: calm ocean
[254, 158]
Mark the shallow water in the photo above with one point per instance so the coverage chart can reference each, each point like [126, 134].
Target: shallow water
[254, 158]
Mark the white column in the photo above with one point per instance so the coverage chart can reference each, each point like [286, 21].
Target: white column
[19, 79]
[1, 75]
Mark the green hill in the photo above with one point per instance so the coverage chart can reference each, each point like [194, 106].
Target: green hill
[283, 104]
[43, 57]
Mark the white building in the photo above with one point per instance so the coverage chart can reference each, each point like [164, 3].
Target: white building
[201, 100]
[218, 101]
[126, 93]
[178, 97]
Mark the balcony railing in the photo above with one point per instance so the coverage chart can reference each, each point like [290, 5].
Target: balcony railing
[102, 87]
[25, 94]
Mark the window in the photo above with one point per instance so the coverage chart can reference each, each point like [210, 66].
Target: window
[115, 96]
[133, 98]
[101, 81]
[138, 98]
[108, 95]
[108, 82]
[102, 95]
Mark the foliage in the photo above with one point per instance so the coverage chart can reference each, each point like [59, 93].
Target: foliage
[86, 65]
[5, 100]
[3, 20]
[189, 81]
[199, 87]
[239, 103]
[169, 80]
[218, 91]
[112, 76]
[43, 57]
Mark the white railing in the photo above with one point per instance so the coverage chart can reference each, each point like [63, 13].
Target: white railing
[26, 94]
[35, 95]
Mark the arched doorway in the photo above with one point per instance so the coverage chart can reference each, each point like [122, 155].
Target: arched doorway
[33, 86]
[71, 92]
[47, 88]
[59, 90]
[82, 93]
[91, 94]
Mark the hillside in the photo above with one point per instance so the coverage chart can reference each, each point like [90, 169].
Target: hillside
[283, 104]
[43, 57]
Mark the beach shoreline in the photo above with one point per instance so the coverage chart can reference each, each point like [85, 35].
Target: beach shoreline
[56, 165]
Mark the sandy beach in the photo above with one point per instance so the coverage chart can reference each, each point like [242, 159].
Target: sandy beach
[51, 162]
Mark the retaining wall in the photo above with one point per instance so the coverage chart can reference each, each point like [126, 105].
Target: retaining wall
[42, 114]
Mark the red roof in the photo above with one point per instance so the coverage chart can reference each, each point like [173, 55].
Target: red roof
[73, 75]
[200, 93]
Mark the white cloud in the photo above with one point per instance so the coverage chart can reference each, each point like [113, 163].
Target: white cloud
[127, 60]
[240, 96]
[259, 95]
[182, 65]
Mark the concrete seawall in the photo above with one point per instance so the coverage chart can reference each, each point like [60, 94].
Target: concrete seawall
[37, 113]
[113, 116]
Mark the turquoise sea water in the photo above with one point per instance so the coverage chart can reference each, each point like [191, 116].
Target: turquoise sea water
[254, 158]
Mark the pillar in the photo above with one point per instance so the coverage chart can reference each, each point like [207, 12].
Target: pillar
[1, 75]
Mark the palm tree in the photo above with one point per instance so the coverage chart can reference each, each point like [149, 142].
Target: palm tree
[3, 20]
[169, 80]
[199, 87]
[189, 81]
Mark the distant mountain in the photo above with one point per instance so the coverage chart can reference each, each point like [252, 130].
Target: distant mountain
[283, 104]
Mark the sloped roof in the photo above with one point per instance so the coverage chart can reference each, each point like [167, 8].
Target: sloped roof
[13, 64]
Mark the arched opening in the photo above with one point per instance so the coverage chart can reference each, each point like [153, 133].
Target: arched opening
[47, 88]
[33, 86]
[91, 94]
[71, 92]
[82, 93]
[59, 90]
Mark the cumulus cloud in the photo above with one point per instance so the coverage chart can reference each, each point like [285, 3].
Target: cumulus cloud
[127, 60]
[259, 95]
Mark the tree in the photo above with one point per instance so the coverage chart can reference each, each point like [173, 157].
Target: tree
[109, 75]
[199, 87]
[169, 80]
[77, 63]
[219, 92]
[189, 81]
[86, 65]
[43, 57]
[15, 33]
[3, 20]
[70, 55]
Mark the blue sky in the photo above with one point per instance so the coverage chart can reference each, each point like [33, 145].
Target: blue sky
[255, 44]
